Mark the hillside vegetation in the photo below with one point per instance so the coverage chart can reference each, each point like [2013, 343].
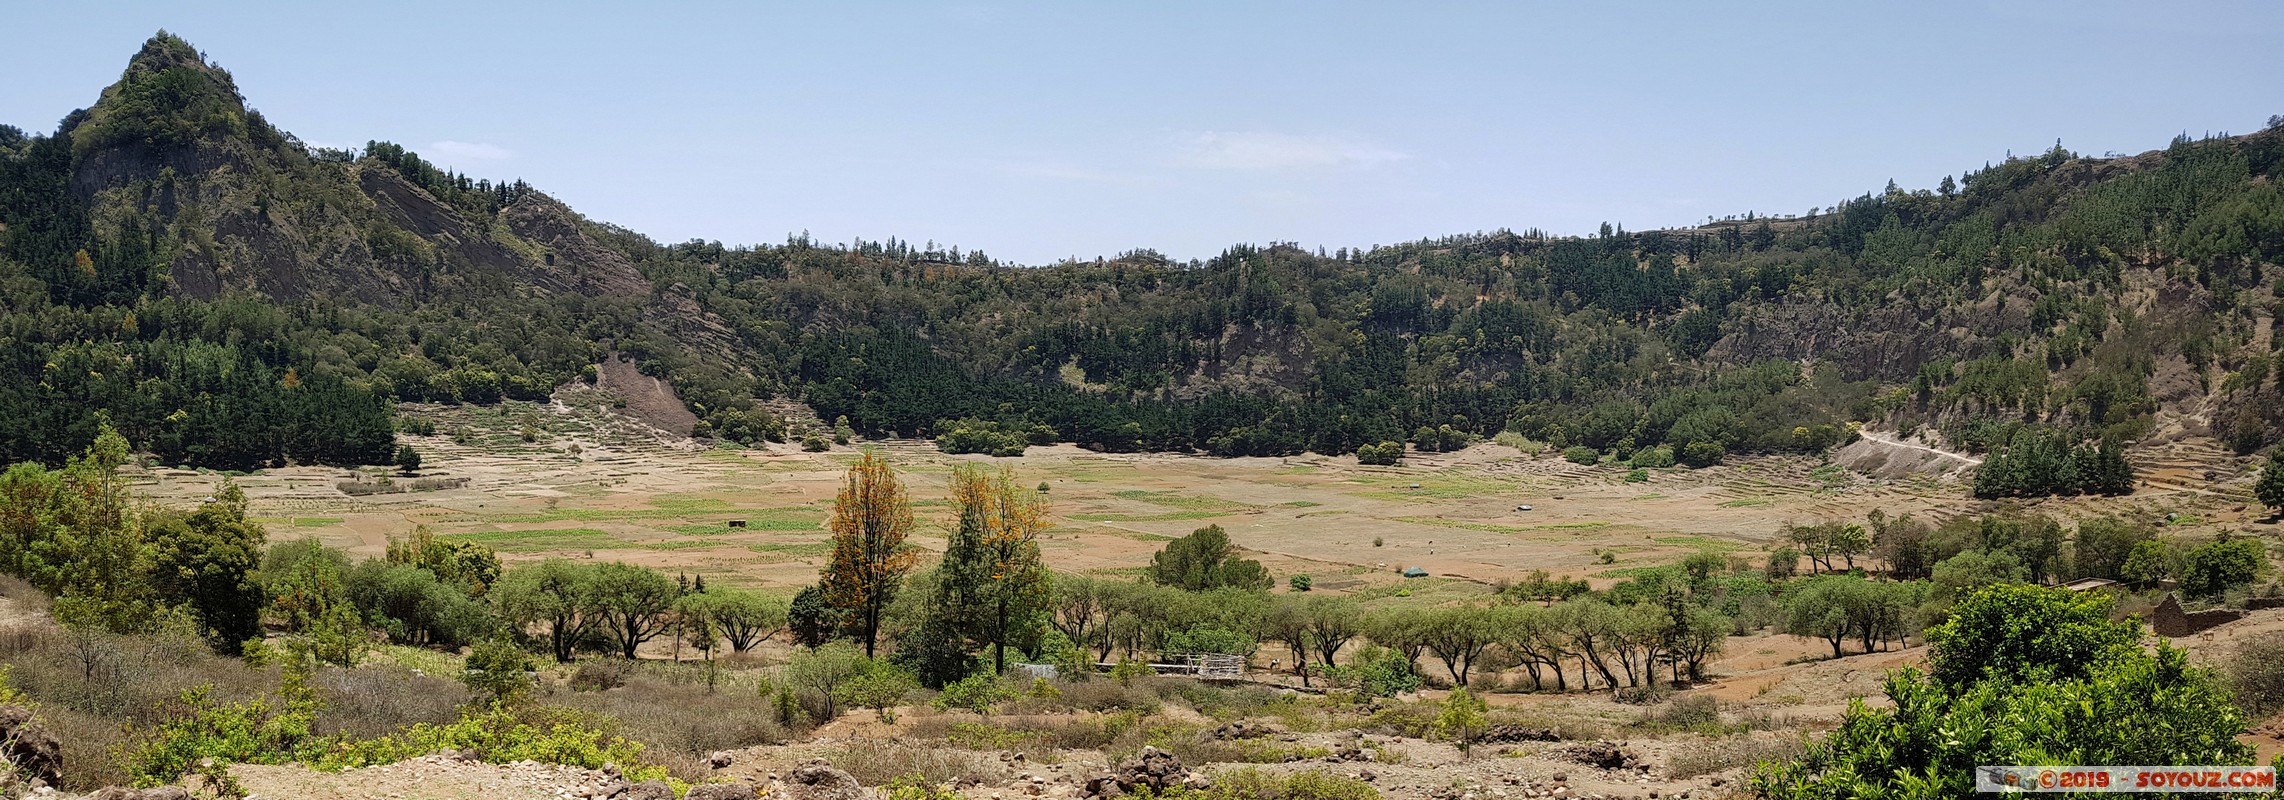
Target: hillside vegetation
[231, 297]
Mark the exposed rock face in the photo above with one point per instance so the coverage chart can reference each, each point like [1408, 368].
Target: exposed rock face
[27, 744]
[1154, 769]
[818, 780]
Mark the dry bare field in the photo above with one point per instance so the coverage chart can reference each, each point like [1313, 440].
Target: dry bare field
[591, 483]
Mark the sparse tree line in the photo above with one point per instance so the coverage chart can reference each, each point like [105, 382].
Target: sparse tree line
[991, 601]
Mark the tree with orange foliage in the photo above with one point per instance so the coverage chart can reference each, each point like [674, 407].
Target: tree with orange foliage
[994, 585]
[871, 518]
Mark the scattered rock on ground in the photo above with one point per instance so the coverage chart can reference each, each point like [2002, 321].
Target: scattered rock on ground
[1154, 769]
[734, 790]
[1519, 733]
[647, 790]
[1604, 755]
[818, 780]
[1242, 730]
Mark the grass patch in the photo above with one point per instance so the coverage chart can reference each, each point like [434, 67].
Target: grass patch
[1442, 486]
[1169, 516]
[795, 549]
[1748, 502]
[533, 541]
[315, 522]
[679, 544]
[1301, 504]
[1627, 572]
[688, 504]
[1180, 501]
[1830, 475]
[1700, 543]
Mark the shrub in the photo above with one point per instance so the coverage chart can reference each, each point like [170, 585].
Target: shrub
[1128, 669]
[917, 787]
[1462, 719]
[658, 713]
[1646, 694]
[597, 676]
[1250, 783]
[373, 700]
[973, 693]
[259, 731]
[1637, 475]
[2255, 673]
[498, 669]
[1703, 454]
[1384, 454]
[1581, 454]
[501, 736]
[2214, 568]
[1691, 711]
[815, 444]
[1210, 639]
[1658, 457]
[997, 439]
[1377, 672]
[1299, 583]
[880, 686]
[911, 763]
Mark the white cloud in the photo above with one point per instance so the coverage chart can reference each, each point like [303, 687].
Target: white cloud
[1263, 150]
[449, 150]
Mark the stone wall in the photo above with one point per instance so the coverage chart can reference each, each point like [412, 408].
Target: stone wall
[2169, 620]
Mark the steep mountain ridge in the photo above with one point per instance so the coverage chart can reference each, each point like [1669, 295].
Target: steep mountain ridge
[2122, 299]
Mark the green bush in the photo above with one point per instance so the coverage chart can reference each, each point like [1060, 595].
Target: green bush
[2138, 709]
[498, 669]
[1377, 672]
[1657, 457]
[1581, 454]
[500, 736]
[974, 693]
[1637, 475]
[1299, 583]
[1384, 454]
[972, 435]
[259, 731]
[1210, 639]
[1250, 783]
[879, 686]
[2214, 568]
[1703, 454]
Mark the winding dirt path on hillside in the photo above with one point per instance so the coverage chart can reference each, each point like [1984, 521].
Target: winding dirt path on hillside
[1891, 441]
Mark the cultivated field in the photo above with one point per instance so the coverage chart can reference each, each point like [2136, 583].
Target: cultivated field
[590, 483]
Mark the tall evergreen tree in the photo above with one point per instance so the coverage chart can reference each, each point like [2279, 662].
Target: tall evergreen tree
[2270, 488]
[993, 586]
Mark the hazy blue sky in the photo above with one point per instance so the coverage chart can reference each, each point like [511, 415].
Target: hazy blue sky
[1038, 131]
